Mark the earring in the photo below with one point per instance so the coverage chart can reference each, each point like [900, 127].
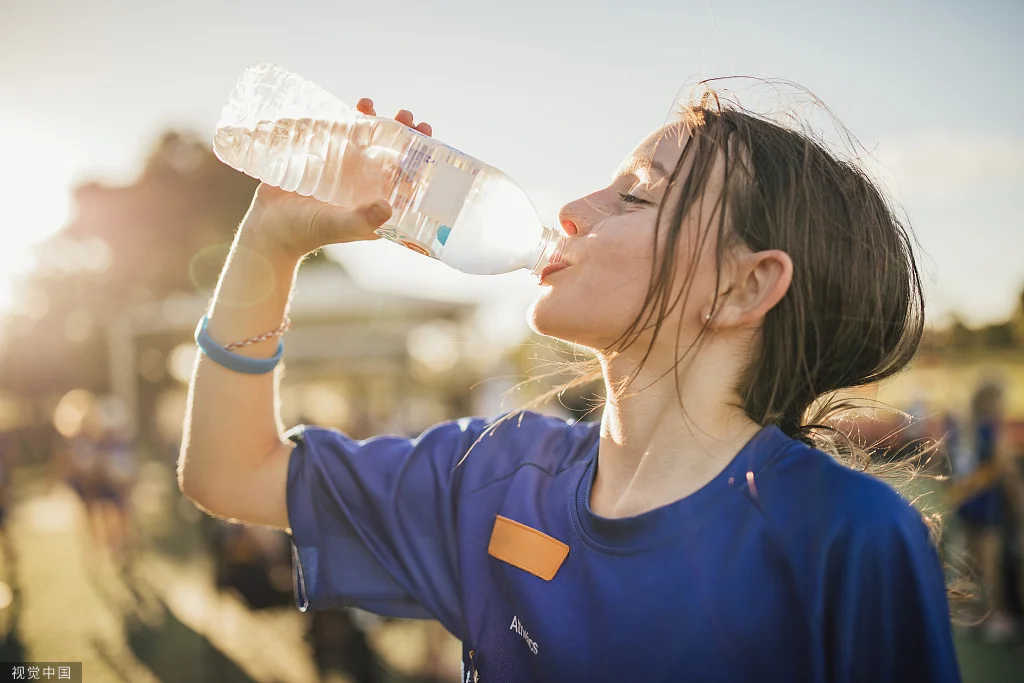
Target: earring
[708, 317]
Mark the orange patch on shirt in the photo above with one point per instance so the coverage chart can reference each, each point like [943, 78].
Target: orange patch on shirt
[524, 547]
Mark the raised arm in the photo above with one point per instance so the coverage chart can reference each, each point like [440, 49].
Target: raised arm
[234, 459]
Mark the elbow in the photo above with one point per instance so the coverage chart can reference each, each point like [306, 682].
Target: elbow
[186, 482]
[193, 482]
[235, 490]
[203, 494]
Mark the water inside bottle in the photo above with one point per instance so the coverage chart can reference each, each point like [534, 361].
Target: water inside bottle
[445, 204]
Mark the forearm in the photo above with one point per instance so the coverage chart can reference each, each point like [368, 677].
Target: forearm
[231, 420]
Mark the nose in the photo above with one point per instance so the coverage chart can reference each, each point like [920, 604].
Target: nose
[569, 217]
[579, 217]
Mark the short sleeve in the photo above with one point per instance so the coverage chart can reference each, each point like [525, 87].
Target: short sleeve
[886, 610]
[373, 522]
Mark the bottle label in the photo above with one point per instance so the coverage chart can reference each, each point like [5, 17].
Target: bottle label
[446, 193]
[415, 160]
[411, 165]
[417, 247]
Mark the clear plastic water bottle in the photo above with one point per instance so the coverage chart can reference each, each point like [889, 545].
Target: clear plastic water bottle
[292, 134]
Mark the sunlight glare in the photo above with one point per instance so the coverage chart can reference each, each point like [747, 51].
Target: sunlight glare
[35, 182]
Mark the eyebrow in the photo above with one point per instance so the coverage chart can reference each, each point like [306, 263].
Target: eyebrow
[660, 168]
[656, 166]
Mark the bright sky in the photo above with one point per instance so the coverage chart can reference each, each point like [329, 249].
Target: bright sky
[554, 92]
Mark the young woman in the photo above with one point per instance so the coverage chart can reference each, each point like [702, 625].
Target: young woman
[731, 273]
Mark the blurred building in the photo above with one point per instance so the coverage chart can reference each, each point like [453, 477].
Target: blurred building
[112, 305]
[361, 361]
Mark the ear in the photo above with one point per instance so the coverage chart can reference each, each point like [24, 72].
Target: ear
[758, 281]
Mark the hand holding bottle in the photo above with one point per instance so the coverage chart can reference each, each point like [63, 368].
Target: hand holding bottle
[294, 225]
[441, 202]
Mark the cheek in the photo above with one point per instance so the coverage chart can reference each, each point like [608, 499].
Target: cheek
[593, 303]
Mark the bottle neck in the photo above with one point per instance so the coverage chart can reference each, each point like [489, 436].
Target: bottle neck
[550, 250]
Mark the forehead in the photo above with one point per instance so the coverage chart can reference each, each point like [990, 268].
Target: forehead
[656, 155]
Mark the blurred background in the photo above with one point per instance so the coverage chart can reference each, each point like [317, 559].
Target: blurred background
[115, 218]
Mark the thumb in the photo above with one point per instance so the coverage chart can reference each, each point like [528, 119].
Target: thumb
[333, 225]
[375, 213]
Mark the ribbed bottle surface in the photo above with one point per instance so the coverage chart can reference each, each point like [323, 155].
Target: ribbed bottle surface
[292, 134]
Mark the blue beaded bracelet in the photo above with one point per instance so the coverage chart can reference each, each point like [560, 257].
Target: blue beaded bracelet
[232, 361]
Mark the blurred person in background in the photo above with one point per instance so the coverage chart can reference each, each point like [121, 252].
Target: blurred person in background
[77, 463]
[116, 473]
[1013, 552]
[12, 648]
[252, 561]
[7, 456]
[952, 460]
[100, 463]
[988, 463]
[10, 590]
[119, 472]
[341, 650]
[732, 272]
[255, 564]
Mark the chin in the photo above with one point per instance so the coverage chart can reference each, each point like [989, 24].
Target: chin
[567, 321]
[549, 317]
[538, 316]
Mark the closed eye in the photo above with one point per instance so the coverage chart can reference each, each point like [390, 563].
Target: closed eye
[630, 199]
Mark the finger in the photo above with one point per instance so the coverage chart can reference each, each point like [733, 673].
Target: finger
[404, 116]
[425, 128]
[365, 106]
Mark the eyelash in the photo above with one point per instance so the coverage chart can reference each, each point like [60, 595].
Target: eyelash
[630, 199]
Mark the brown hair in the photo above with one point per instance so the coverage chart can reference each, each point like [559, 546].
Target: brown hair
[854, 312]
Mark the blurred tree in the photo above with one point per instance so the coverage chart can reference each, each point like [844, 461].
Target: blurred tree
[1017, 321]
[958, 336]
[167, 232]
[998, 336]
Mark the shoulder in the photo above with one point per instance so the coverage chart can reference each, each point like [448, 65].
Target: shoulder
[473, 449]
[508, 442]
[817, 505]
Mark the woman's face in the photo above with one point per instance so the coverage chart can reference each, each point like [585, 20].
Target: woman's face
[611, 243]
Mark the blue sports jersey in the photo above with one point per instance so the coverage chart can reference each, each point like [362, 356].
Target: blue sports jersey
[787, 566]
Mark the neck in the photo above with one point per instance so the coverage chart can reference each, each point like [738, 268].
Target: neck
[656, 448]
